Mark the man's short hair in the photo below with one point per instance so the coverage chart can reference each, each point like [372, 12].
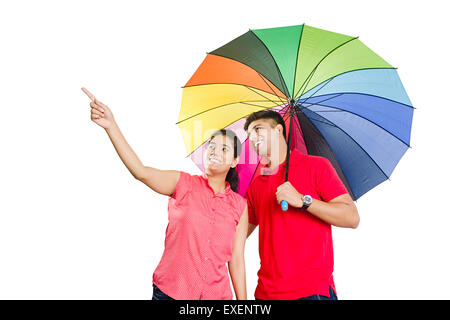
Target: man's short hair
[269, 115]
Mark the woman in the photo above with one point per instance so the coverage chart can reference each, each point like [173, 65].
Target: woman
[208, 220]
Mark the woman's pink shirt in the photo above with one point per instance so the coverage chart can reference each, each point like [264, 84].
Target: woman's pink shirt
[199, 240]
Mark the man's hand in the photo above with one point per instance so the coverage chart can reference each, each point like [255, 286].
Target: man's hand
[287, 192]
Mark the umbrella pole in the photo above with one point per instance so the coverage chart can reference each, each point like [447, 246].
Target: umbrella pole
[284, 204]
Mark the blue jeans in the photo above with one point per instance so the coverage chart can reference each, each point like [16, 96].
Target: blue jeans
[320, 297]
[159, 295]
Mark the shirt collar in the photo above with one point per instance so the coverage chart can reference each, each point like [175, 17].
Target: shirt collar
[265, 170]
[224, 192]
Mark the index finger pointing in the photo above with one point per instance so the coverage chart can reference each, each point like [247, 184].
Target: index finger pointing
[90, 95]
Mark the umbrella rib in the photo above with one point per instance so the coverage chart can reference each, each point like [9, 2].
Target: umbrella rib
[225, 105]
[270, 87]
[281, 105]
[286, 91]
[249, 88]
[296, 62]
[281, 77]
[322, 105]
[363, 94]
[251, 104]
[340, 167]
[245, 64]
[321, 121]
[334, 125]
[362, 117]
[236, 84]
[332, 78]
[310, 76]
[287, 114]
[325, 83]
[308, 79]
[310, 104]
[341, 110]
[257, 165]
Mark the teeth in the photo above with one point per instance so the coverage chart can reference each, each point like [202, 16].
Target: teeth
[214, 160]
[258, 143]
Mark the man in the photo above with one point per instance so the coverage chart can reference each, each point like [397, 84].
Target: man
[295, 246]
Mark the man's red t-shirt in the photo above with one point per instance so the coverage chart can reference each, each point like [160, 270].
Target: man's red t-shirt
[295, 247]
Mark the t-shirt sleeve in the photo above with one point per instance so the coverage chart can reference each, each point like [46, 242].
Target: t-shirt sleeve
[183, 186]
[251, 210]
[329, 185]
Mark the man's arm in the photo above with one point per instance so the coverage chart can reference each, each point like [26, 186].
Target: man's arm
[252, 220]
[340, 211]
[251, 227]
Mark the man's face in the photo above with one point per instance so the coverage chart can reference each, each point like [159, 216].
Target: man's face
[263, 138]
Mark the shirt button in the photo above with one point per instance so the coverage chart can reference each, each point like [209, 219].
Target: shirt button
[206, 259]
[203, 278]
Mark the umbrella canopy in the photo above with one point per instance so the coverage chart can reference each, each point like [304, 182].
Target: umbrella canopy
[347, 104]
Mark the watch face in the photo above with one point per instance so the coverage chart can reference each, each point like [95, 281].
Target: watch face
[307, 199]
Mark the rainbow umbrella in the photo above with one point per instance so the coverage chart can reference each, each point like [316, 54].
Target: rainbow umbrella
[339, 99]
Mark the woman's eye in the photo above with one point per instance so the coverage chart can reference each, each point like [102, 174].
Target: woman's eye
[224, 149]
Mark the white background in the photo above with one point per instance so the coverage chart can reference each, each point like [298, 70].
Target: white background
[74, 224]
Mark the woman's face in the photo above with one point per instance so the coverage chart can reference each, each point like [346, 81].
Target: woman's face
[219, 155]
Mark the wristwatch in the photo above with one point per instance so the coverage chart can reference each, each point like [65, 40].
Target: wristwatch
[307, 200]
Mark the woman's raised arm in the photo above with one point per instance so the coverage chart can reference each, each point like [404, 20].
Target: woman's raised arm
[161, 181]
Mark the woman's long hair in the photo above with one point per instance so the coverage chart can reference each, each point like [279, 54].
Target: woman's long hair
[232, 176]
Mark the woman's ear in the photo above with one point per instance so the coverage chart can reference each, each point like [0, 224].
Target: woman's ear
[235, 162]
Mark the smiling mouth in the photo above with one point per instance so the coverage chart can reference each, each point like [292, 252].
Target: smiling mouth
[214, 160]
